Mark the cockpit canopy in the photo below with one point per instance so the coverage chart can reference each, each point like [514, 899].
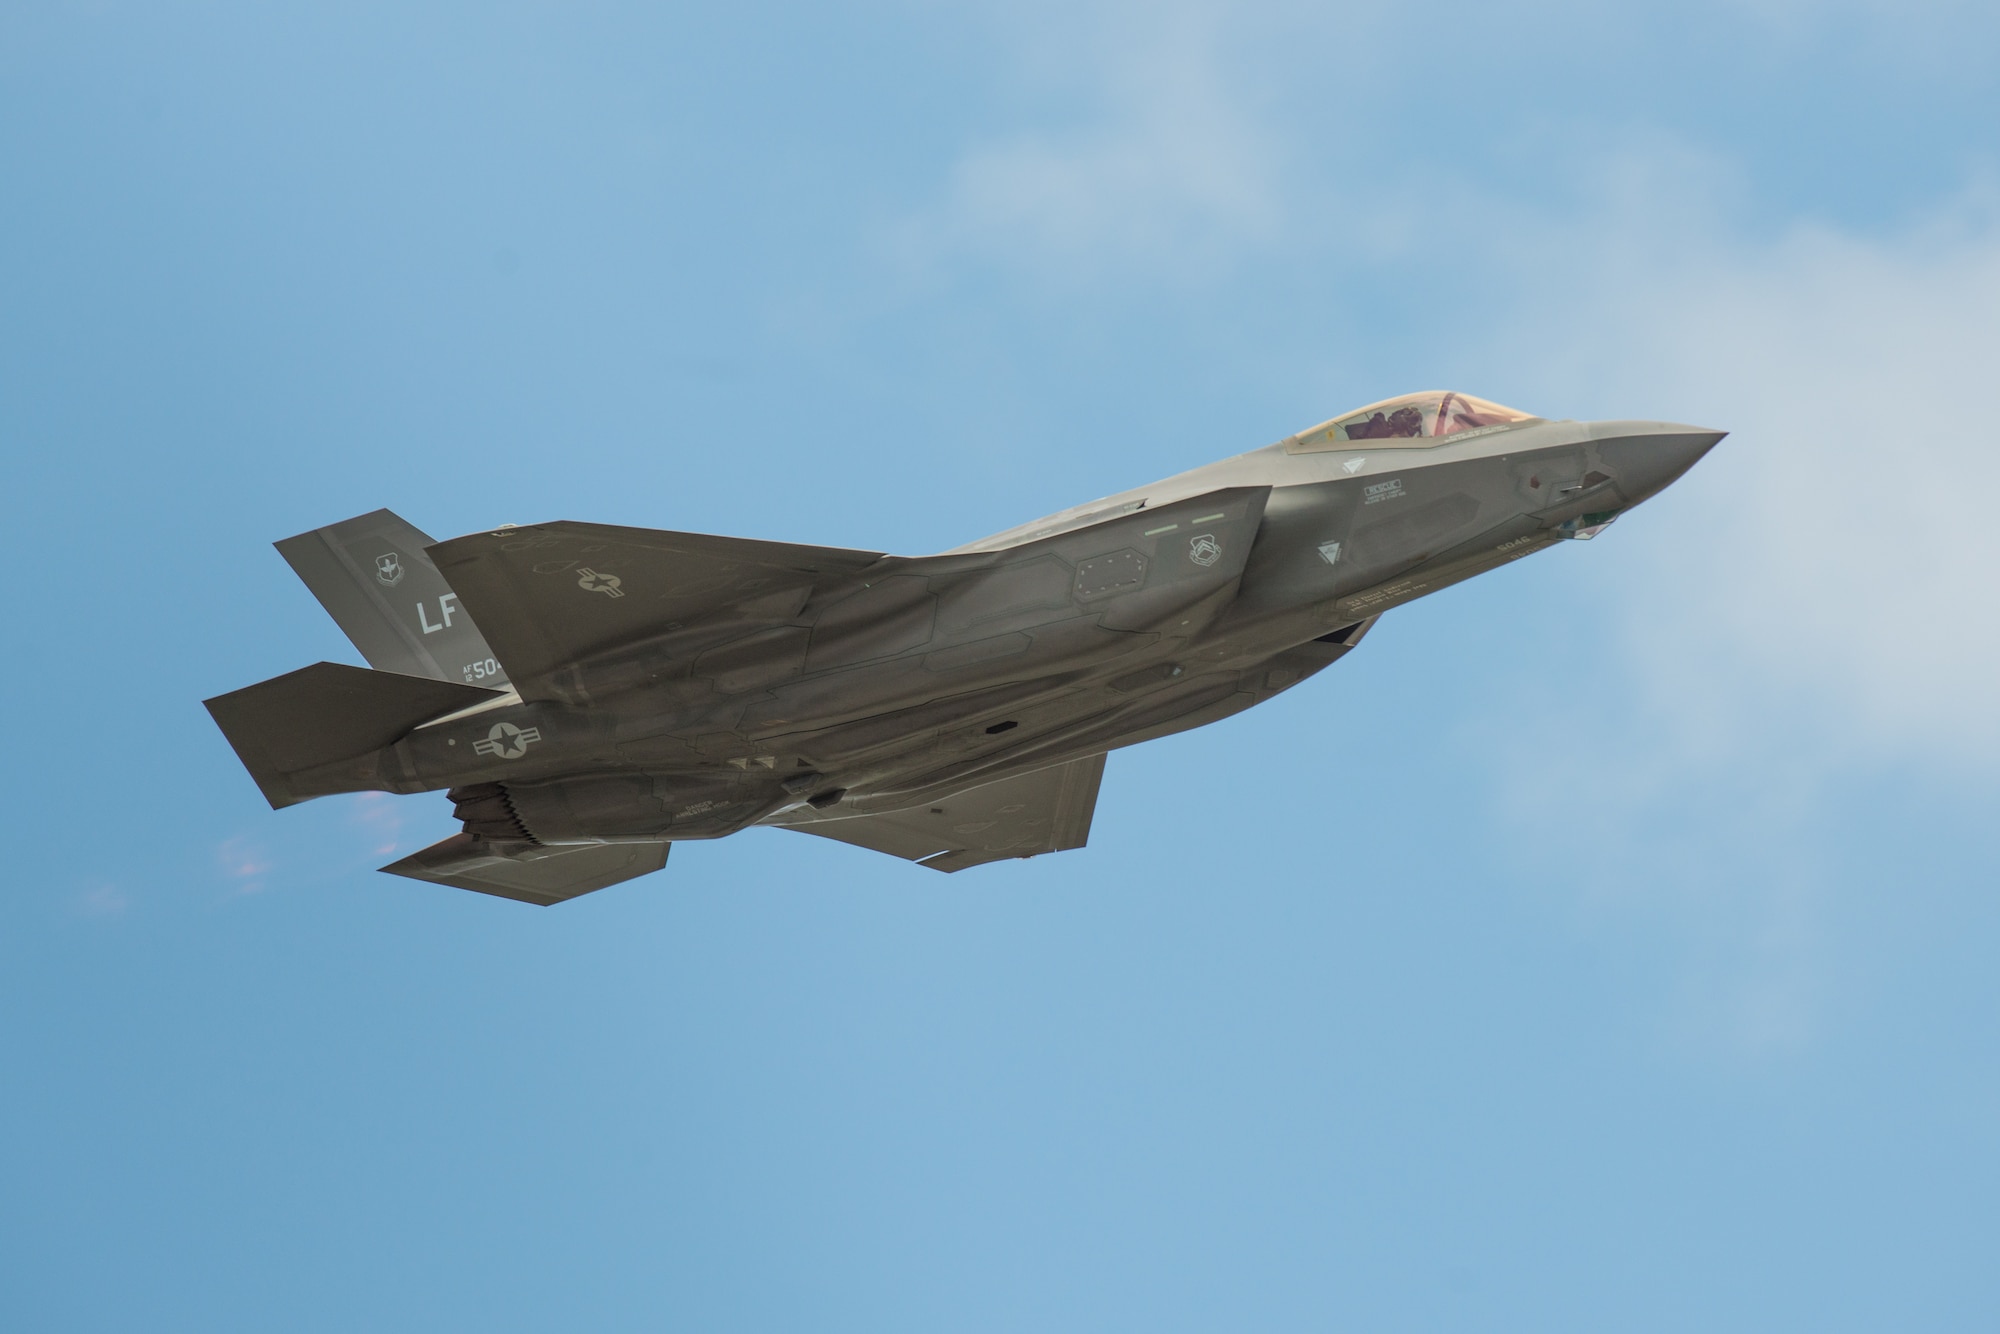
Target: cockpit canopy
[1424, 416]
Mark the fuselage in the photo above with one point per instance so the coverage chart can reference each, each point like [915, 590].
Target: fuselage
[1135, 616]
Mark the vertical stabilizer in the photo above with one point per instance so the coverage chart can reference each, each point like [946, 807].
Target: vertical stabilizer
[373, 578]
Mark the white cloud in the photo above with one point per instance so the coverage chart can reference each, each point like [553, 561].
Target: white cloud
[103, 901]
[1165, 168]
[244, 863]
[1835, 563]
[379, 817]
[1814, 605]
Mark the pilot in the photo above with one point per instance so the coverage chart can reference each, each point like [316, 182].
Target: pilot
[1400, 424]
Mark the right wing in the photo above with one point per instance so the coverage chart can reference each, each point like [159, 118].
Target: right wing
[1045, 811]
[549, 595]
[527, 872]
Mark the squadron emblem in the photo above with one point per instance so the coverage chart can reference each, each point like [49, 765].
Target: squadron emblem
[388, 569]
[1205, 550]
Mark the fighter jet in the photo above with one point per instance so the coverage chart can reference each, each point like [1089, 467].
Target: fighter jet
[588, 696]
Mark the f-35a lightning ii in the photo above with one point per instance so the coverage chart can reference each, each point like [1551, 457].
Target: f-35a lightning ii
[591, 695]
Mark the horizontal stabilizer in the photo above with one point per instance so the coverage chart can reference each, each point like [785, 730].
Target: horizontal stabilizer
[1045, 811]
[373, 577]
[291, 725]
[553, 593]
[527, 871]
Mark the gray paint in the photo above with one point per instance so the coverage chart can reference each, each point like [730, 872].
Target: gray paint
[950, 709]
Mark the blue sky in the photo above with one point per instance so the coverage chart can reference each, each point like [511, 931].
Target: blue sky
[1605, 945]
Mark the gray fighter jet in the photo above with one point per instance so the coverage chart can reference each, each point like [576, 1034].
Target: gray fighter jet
[591, 695]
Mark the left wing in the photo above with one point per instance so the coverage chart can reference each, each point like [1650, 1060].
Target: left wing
[552, 594]
[1045, 811]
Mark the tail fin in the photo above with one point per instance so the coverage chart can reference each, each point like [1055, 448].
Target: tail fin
[316, 731]
[373, 578]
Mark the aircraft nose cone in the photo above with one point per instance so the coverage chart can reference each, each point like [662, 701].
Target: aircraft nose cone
[1650, 456]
